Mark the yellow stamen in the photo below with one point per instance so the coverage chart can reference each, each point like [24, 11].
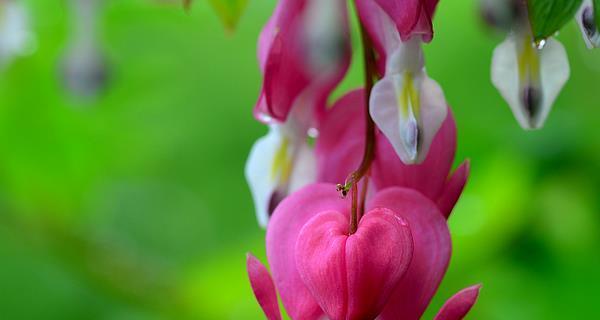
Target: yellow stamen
[529, 63]
[282, 164]
[409, 97]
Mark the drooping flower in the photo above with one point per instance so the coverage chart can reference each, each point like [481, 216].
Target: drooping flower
[279, 163]
[586, 19]
[389, 268]
[529, 74]
[407, 106]
[409, 17]
[304, 50]
[15, 34]
[342, 140]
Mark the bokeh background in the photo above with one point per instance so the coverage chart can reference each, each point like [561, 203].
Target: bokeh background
[134, 205]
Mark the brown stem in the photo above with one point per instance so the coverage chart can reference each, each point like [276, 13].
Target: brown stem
[369, 153]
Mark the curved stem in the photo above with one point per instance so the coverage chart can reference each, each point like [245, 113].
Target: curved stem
[351, 183]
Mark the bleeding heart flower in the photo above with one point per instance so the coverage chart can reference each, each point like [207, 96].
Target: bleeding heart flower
[279, 163]
[304, 50]
[341, 141]
[586, 19]
[530, 76]
[352, 276]
[406, 104]
[319, 269]
[409, 17]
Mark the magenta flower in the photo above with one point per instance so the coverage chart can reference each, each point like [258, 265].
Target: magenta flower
[390, 268]
[341, 141]
[410, 17]
[382, 252]
[304, 51]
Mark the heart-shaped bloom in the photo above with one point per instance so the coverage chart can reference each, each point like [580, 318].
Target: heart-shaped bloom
[390, 268]
[406, 104]
[352, 276]
[304, 50]
[586, 19]
[341, 142]
[15, 34]
[529, 76]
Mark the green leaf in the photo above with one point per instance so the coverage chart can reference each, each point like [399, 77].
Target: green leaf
[549, 16]
[597, 11]
[229, 11]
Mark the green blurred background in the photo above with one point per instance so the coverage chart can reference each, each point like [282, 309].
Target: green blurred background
[134, 206]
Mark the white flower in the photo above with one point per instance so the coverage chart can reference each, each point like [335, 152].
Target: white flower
[279, 163]
[530, 77]
[406, 104]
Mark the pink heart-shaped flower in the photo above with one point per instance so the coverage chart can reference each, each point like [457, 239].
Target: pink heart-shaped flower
[352, 276]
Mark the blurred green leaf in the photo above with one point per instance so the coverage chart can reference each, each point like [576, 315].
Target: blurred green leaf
[229, 11]
[549, 16]
[597, 10]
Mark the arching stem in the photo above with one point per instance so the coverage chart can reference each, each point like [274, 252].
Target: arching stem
[353, 180]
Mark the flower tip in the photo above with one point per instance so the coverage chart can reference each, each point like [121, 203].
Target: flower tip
[251, 259]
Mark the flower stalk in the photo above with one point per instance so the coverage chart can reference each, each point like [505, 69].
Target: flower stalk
[355, 177]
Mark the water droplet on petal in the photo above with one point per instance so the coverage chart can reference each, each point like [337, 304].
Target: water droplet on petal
[540, 44]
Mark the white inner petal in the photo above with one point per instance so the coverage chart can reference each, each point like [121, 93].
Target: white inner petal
[587, 23]
[529, 78]
[279, 163]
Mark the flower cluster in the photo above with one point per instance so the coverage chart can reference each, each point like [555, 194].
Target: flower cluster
[356, 221]
[530, 72]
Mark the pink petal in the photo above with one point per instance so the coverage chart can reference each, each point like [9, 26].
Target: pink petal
[380, 27]
[340, 145]
[287, 73]
[285, 77]
[404, 13]
[429, 6]
[453, 189]
[424, 26]
[432, 249]
[265, 39]
[352, 276]
[282, 234]
[430, 176]
[457, 307]
[263, 287]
